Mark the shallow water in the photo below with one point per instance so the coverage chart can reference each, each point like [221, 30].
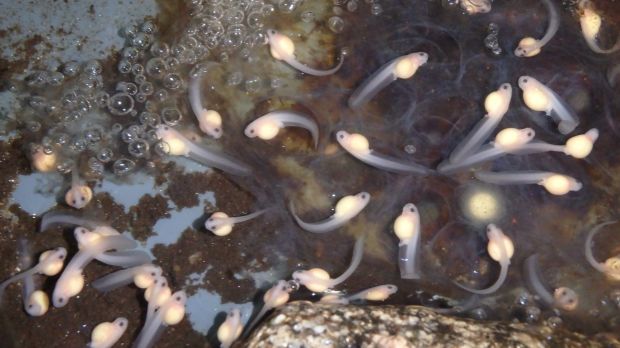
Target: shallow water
[164, 205]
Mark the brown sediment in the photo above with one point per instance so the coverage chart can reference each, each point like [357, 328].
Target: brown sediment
[145, 214]
[220, 257]
[12, 163]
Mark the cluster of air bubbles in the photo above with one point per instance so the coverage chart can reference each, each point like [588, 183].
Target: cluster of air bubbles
[491, 41]
[336, 23]
[219, 28]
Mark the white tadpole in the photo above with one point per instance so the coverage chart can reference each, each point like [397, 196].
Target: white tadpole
[318, 280]
[507, 141]
[79, 194]
[181, 146]
[611, 267]
[554, 183]
[268, 126]
[403, 67]
[357, 145]
[496, 105]
[221, 224]
[539, 97]
[209, 121]
[530, 47]
[346, 209]
[407, 229]
[591, 22]
[230, 329]
[501, 249]
[282, 48]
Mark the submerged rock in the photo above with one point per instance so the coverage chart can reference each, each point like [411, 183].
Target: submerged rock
[305, 324]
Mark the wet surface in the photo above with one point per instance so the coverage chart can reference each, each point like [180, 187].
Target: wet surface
[164, 202]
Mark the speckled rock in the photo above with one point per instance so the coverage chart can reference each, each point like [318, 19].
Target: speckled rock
[305, 324]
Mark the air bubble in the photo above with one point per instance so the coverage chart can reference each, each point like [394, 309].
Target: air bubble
[130, 53]
[307, 16]
[93, 68]
[171, 116]
[160, 49]
[71, 68]
[131, 133]
[252, 84]
[288, 6]
[410, 149]
[105, 155]
[352, 5]
[234, 78]
[335, 24]
[156, 67]
[123, 166]
[55, 78]
[140, 98]
[33, 126]
[138, 148]
[161, 148]
[95, 166]
[124, 66]
[532, 314]
[172, 81]
[148, 27]
[93, 135]
[376, 9]
[139, 79]
[137, 69]
[146, 88]
[120, 104]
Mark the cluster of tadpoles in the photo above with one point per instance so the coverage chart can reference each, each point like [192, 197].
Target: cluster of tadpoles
[97, 241]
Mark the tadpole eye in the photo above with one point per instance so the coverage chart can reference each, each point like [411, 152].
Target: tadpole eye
[178, 298]
[73, 201]
[29, 306]
[61, 300]
[529, 134]
[83, 199]
[252, 131]
[505, 87]
[341, 136]
[121, 324]
[524, 80]
[61, 257]
[216, 129]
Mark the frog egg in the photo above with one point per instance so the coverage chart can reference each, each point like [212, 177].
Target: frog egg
[120, 104]
[71, 68]
[482, 204]
[160, 49]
